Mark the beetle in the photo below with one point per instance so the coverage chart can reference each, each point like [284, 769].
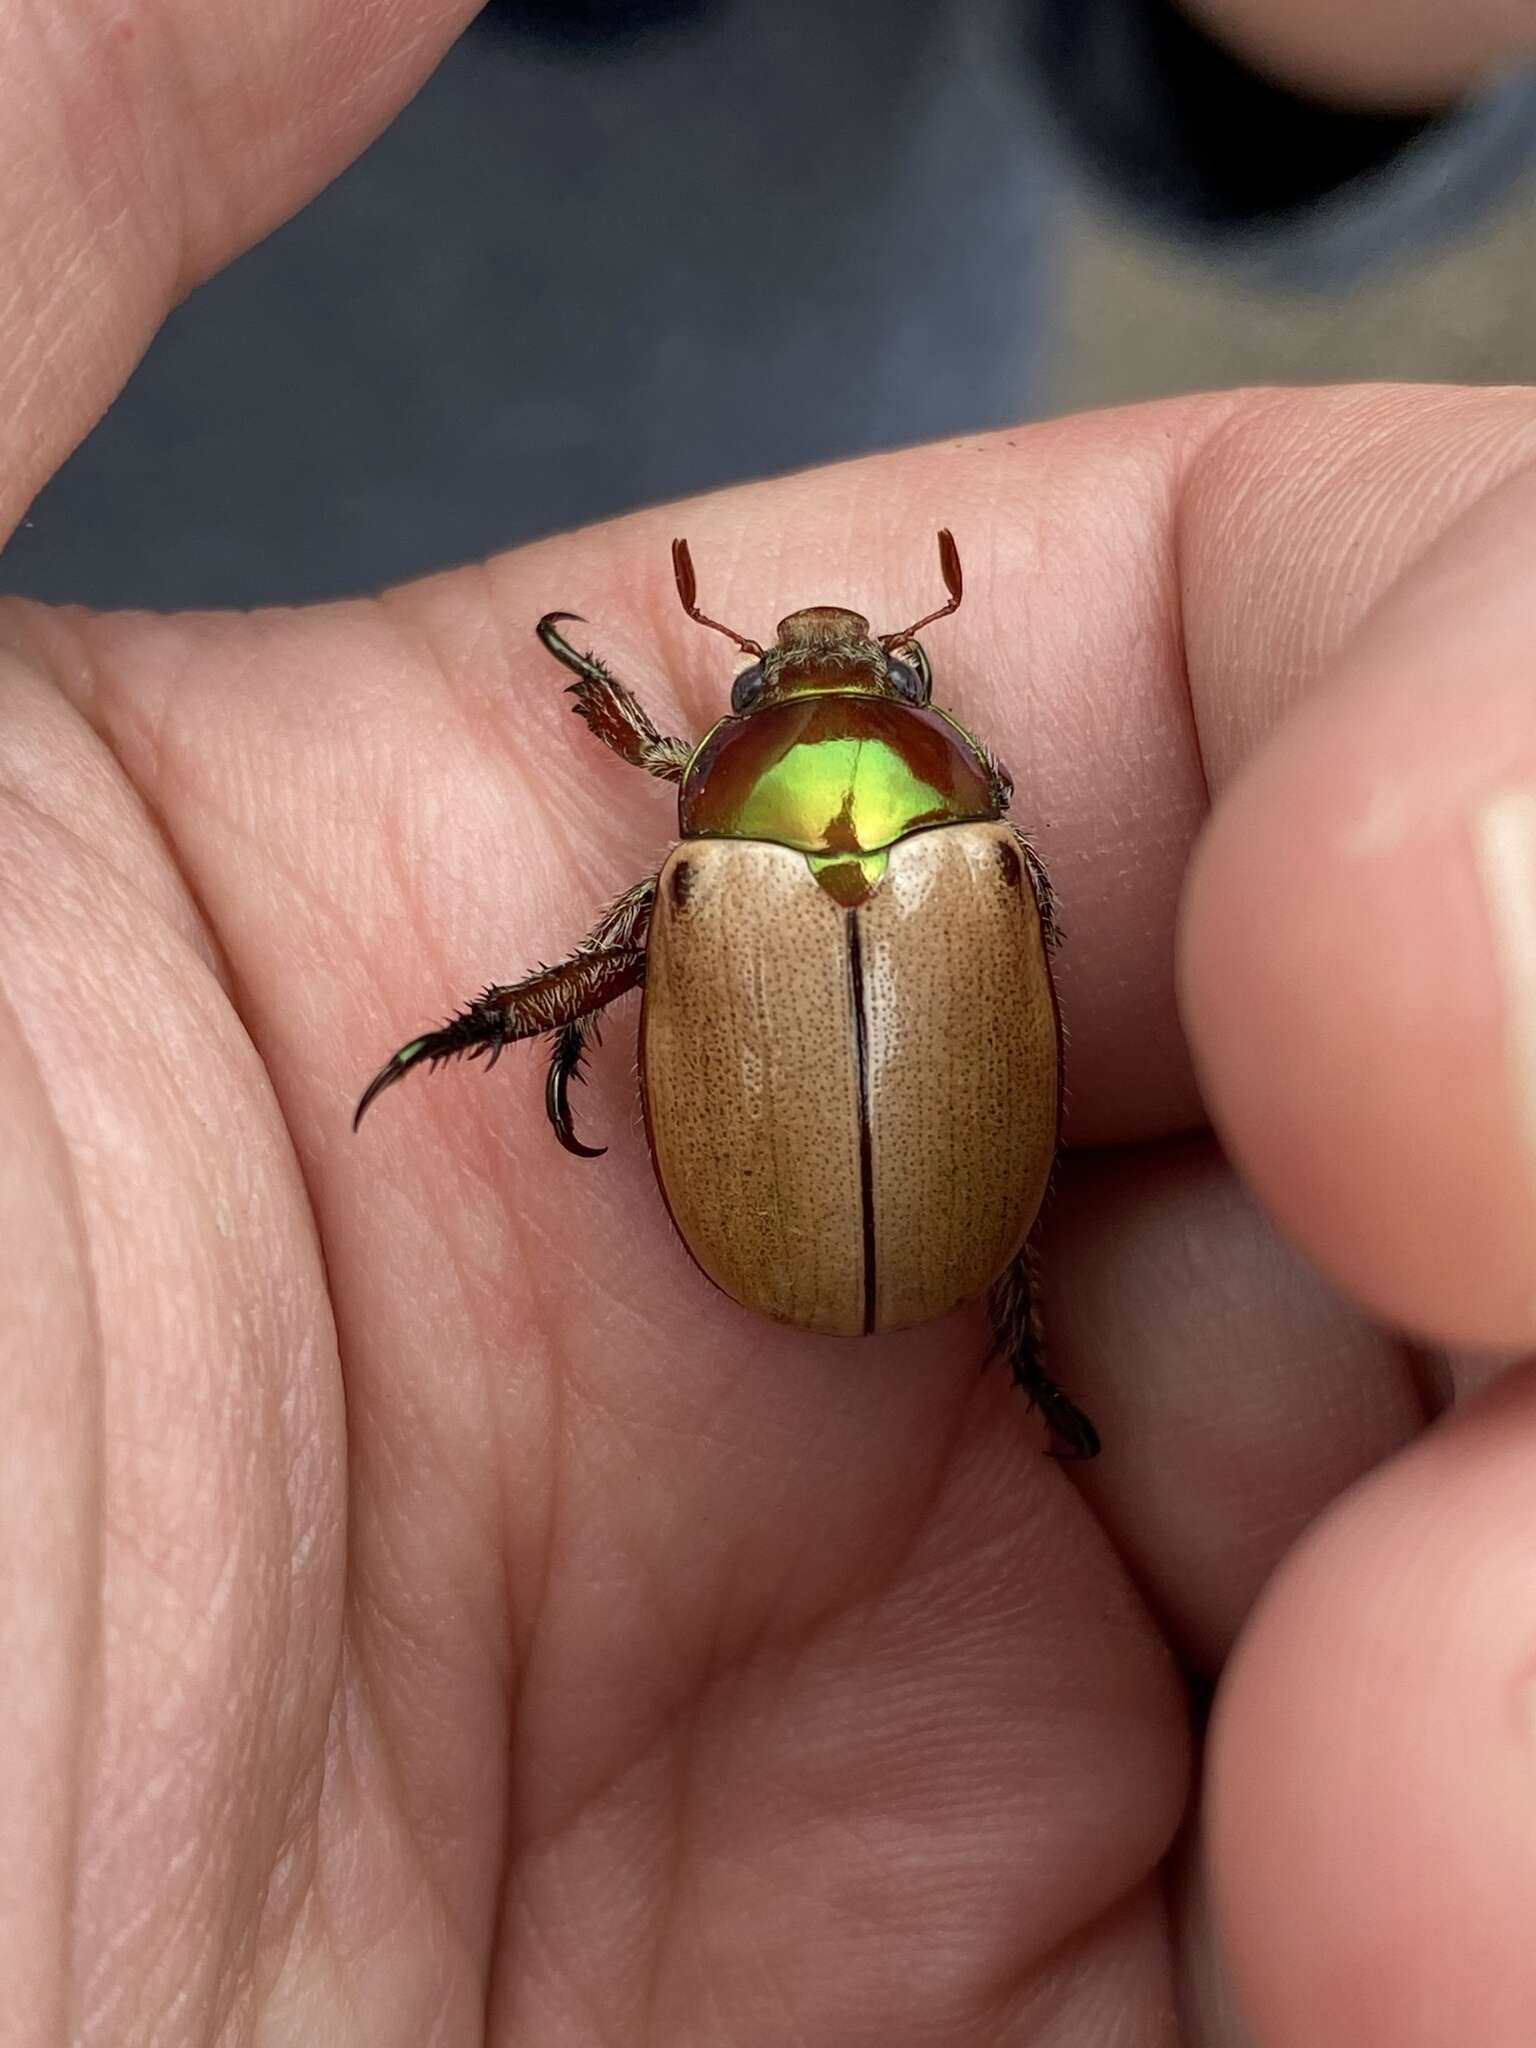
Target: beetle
[850, 1050]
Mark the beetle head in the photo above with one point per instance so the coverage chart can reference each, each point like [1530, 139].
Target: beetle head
[825, 649]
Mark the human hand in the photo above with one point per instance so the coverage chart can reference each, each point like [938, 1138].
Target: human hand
[611, 1665]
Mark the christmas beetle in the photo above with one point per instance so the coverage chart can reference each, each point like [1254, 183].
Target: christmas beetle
[850, 1056]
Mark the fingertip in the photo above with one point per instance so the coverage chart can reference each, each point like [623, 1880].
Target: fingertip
[1358, 980]
[1373, 1763]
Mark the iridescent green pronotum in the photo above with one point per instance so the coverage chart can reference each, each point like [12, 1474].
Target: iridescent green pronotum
[849, 1048]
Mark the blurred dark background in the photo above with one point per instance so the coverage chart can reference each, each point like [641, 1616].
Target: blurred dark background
[615, 253]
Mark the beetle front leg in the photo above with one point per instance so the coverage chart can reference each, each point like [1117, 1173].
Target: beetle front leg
[613, 712]
[610, 961]
[1014, 1304]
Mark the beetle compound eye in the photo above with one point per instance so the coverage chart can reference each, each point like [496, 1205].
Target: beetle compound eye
[906, 682]
[747, 688]
[910, 675]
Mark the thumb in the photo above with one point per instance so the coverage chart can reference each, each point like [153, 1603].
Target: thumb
[1358, 966]
[143, 147]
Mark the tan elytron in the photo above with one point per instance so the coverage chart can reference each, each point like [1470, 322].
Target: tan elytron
[853, 1111]
[751, 1079]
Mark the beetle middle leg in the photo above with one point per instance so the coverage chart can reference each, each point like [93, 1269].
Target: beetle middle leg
[560, 1000]
[1014, 1304]
[624, 925]
[613, 713]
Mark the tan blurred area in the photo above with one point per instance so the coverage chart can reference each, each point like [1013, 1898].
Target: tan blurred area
[1143, 320]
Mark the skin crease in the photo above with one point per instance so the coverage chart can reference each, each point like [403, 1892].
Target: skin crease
[434, 1616]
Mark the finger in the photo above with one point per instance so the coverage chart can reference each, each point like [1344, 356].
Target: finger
[1098, 550]
[1360, 949]
[143, 148]
[1375, 1751]
[1298, 514]
[423, 745]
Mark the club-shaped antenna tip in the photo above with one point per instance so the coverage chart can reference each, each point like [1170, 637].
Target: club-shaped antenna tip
[949, 562]
[682, 569]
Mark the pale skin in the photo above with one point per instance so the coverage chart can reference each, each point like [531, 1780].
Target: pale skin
[429, 1613]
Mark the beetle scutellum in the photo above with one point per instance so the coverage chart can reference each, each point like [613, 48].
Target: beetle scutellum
[849, 1048]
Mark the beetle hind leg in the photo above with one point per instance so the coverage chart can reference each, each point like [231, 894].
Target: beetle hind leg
[1014, 1305]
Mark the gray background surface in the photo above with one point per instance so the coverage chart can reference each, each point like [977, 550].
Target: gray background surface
[1140, 320]
[575, 277]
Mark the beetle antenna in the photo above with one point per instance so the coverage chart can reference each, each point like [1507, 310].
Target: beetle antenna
[949, 564]
[688, 591]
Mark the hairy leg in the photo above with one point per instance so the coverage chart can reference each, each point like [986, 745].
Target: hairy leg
[613, 712]
[561, 999]
[1045, 895]
[625, 926]
[1014, 1304]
